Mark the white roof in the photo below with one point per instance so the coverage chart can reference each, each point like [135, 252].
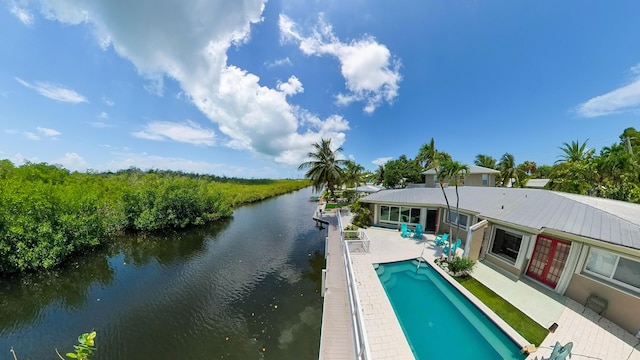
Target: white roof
[473, 169]
[611, 221]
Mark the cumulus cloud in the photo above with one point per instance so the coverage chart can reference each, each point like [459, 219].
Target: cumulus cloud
[53, 91]
[279, 62]
[52, 133]
[372, 75]
[381, 161]
[72, 161]
[187, 132]
[21, 12]
[189, 44]
[624, 98]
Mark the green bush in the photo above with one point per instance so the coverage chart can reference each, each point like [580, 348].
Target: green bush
[350, 232]
[461, 265]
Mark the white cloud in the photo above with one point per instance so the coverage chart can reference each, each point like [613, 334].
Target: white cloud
[72, 161]
[21, 12]
[103, 115]
[279, 62]
[381, 161]
[107, 101]
[292, 86]
[188, 132]
[189, 44]
[624, 98]
[55, 92]
[372, 75]
[31, 136]
[52, 133]
[100, 124]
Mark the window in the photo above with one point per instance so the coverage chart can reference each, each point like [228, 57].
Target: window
[458, 219]
[615, 268]
[506, 245]
[485, 179]
[397, 214]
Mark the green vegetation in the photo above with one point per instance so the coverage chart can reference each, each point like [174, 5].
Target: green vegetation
[520, 322]
[85, 347]
[461, 265]
[48, 213]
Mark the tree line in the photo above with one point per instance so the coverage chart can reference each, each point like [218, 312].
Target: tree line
[612, 172]
[48, 213]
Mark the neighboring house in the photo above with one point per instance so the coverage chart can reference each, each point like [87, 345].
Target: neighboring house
[575, 245]
[477, 176]
[536, 183]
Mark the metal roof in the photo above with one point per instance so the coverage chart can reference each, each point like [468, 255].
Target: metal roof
[537, 183]
[473, 169]
[607, 220]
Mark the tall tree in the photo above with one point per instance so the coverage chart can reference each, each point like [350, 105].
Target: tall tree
[379, 175]
[401, 171]
[427, 155]
[452, 171]
[324, 169]
[508, 170]
[353, 174]
[575, 151]
[485, 161]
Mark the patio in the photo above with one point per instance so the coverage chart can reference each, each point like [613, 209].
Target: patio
[593, 337]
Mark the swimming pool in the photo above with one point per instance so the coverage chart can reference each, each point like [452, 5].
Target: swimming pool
[438, 321]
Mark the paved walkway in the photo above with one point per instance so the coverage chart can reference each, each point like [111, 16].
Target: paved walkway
[336, 341]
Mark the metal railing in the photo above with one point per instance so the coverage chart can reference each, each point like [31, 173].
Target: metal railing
[357, 240]
[359, 334]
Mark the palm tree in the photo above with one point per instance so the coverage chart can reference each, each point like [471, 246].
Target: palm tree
[379, 175]
[427, 155]
[353, 174]
[485, 161]
[508, 169]
[574, 151]
[323, 168]
[452, 171]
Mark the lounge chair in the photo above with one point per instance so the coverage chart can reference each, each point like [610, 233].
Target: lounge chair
[442, 239]
[561, 352]
[454, 247]
[405, 232]
[417, 233]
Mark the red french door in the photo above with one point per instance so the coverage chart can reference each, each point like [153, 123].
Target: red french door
[548, 260]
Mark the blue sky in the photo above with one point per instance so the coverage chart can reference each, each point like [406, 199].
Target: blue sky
[243, 88]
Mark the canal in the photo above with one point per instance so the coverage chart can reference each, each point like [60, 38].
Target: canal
[242, 288]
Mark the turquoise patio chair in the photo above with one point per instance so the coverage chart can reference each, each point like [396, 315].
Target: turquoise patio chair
[454, 247]
[417, 233]
[405, 232]
[442, 239]
[561, 352]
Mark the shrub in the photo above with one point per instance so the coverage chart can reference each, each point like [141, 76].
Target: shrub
[461, 265]
[351, 232]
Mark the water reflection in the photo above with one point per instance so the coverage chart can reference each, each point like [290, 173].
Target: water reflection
[245, 288]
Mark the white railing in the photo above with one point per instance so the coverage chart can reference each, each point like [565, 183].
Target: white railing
[359, 334]
[357, 240]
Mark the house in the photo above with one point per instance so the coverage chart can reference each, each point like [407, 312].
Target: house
[581, 247]
[477, 176]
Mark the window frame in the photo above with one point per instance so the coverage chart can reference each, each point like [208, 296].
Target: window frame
[448, 219]
[610, 279]
[485, 179]
[396, 214]
[500, 255]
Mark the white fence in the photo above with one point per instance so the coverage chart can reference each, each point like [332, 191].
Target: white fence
[359, 333]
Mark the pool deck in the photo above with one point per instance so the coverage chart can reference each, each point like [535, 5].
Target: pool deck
[593, 337]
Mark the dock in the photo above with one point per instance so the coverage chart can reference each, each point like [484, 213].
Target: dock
[336, 339]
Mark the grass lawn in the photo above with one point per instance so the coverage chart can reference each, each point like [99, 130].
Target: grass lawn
[520, 322]
[334, 205]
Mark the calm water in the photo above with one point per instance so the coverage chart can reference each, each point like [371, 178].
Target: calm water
[439, 322]
[245, 288]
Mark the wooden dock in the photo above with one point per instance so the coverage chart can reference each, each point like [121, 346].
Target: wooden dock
[336, 339]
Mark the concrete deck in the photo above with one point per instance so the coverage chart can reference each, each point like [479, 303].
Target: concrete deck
[593, 338]
[336, 340]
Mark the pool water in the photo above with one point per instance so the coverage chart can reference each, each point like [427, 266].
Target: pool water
[438, 321]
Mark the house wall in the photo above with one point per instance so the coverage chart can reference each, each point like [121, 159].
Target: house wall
[476, 180]
[443, 227]
[502, 264]
[476, 243]
[429, 180]
[622, 308]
